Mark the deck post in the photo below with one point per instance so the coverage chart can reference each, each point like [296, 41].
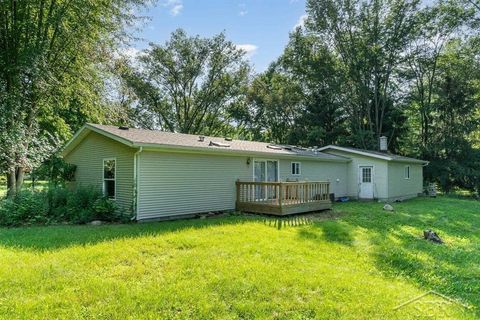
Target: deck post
[237, 183]
[280, 195]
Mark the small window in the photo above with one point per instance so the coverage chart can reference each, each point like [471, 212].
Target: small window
[109, 173]
[407, 172]
[366, 175]
[296, 168]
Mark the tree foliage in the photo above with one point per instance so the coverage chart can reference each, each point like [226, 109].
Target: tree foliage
[50, 74]
[369, 37]
[362, 69]
[189, 84]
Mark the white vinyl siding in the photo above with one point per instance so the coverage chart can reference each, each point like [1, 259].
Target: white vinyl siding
[88, 157]
[401, 188]
[180, 184]
[380, 174]
[334, 172]
[175, 184]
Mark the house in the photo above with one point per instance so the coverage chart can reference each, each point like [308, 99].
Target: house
[380, 175]
[157, 175]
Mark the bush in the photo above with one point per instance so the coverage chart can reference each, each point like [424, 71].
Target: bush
[25, 208]
[58, 205]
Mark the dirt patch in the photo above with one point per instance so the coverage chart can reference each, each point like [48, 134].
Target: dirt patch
[322, 215]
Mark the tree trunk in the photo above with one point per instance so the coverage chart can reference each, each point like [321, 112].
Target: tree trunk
[20, 176]
[11, 183]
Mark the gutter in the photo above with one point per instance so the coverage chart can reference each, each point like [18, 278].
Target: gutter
[135, 182]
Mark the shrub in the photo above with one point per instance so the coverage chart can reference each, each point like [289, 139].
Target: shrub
[25, 208]
[58, 205]
[80, 204]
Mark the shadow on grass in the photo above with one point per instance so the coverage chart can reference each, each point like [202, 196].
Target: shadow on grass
[43, 238]
[330, 231]
[399, 249]
[285, 222]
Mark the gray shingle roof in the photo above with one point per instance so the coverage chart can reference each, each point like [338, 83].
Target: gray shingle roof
[154, 138]
[376, 154]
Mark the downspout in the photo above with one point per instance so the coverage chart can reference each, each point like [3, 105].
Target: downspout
[135, 182]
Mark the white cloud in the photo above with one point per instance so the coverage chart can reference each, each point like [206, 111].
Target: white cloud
[301, 22]
[176, 9]
[243, 9]
[173, 6]
[250, 49]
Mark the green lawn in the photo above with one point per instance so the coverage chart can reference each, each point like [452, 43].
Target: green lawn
[358, 266]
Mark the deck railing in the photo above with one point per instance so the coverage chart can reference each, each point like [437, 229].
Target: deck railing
[283, 193]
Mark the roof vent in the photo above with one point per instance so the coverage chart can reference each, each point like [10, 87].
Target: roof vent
[123, 128]
[228, 139]
[201, 138]
[274, 147]
[383, 144]
[218, 144]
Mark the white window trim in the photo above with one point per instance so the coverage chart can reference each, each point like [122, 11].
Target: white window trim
[405, 171]
[262, 159]
[299, 168]
[103, 177]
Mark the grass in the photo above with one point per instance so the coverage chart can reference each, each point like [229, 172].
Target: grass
[27, 185]
[359, 265]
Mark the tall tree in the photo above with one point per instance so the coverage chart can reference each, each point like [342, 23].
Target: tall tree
[299, 99]
[189, 84]
[369, 37]
[47, 52]
[455, 109]
[320, 76]
[274, 101]
[437, 26]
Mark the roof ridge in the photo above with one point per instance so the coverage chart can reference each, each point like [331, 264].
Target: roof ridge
[99, 126]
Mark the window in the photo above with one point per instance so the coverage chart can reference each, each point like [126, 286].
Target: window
[366, 175]
[296, 168]
[109, 173]
[407, 172]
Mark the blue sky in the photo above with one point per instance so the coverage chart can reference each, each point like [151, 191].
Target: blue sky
[259, 26]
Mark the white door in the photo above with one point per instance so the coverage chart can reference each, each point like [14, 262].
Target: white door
[365, 175]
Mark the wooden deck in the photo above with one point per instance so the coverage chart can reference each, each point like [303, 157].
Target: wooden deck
[283, 198]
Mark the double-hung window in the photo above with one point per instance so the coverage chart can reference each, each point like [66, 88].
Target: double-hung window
[296, 168]
[109, 174]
